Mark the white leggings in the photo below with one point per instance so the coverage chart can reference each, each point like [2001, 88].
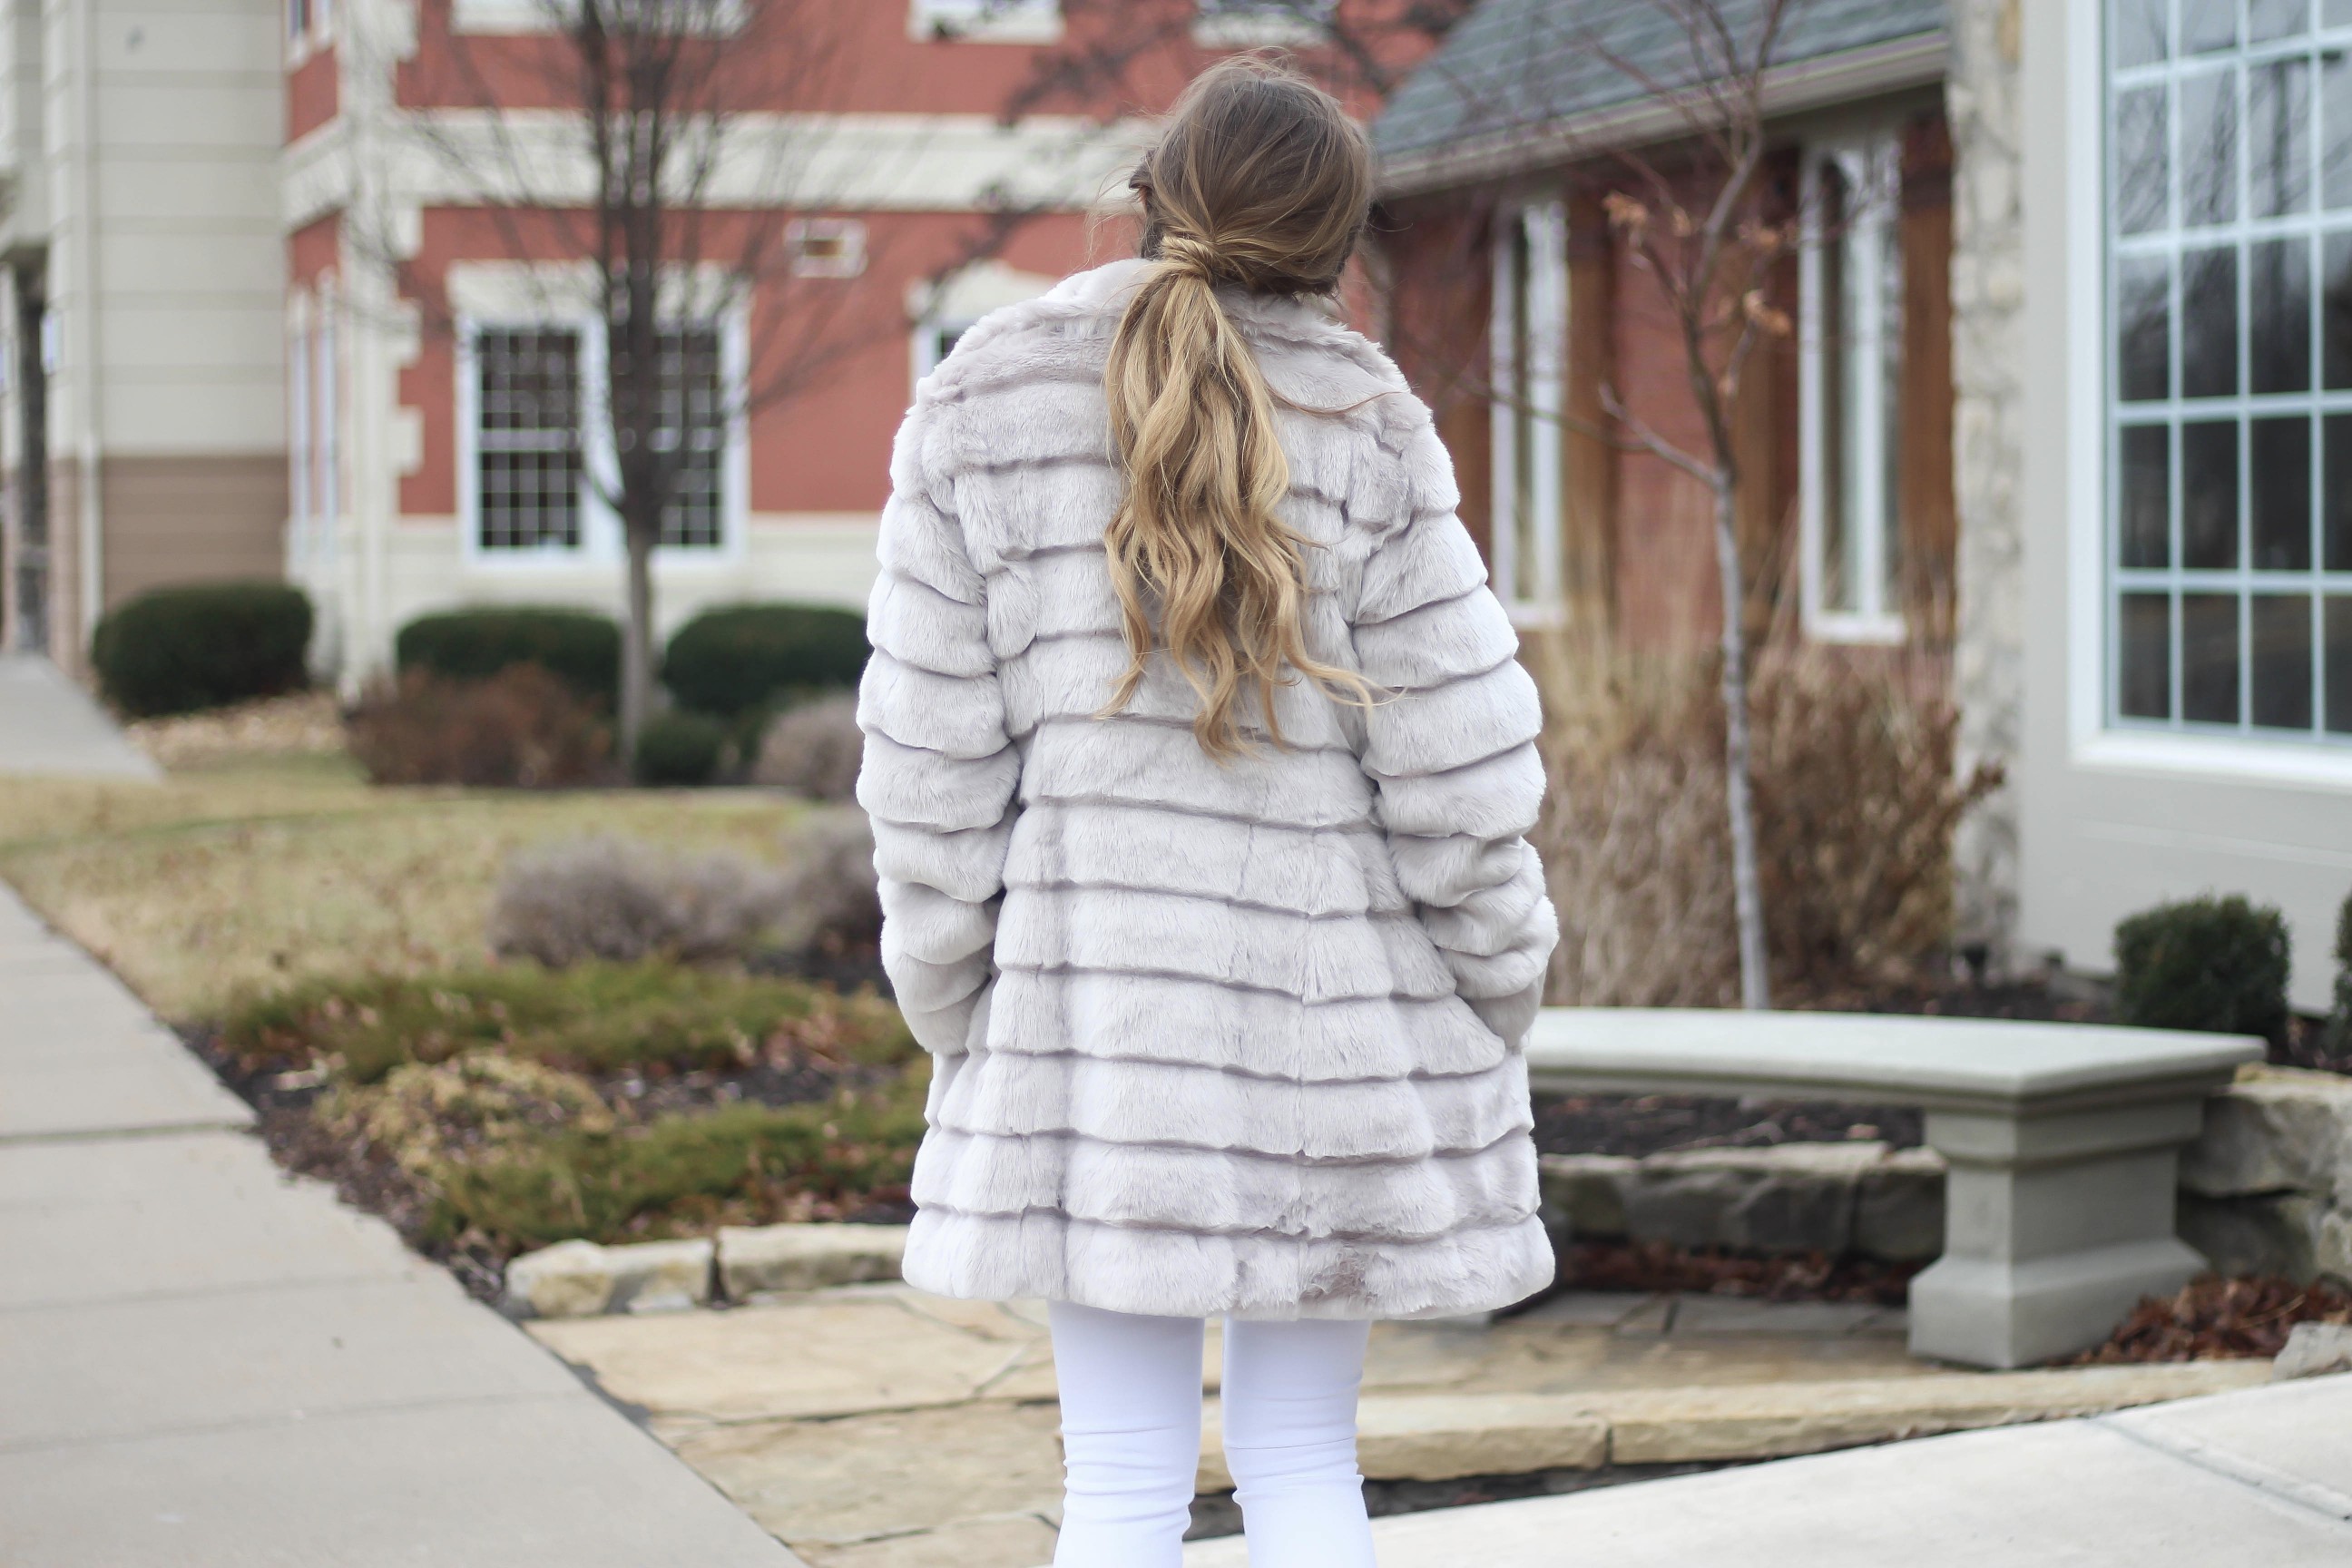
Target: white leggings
[1131, 1438]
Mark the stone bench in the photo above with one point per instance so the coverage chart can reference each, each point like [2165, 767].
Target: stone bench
[2063, 1142]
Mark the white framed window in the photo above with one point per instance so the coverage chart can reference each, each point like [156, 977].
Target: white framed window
[298, 494]
[985, 21]
[936, 338]
[1850, 391]
[2227, 554]
[298, 19]
[1528, 344]
[533, 447]
[826, 246]
[1255, 24]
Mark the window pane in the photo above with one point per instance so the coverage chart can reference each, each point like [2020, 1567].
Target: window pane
[2209, 494]
[2336, 12]
[2337, 631]
[2268, 19]
[2147, 509]
[2282, 652]
[2209, 148]
[693, 422]
[2209, 659]
[2282, 494]
[2143, 329]
[2144, 684]
[2335, 311]
[530, 472]
[2209, 323]
[1838, 586]
[2143, 161]
[2140, 31]
[2208, 24]
[2335, 129]
[2336, 490]
[2279, 336]
[2278, 137]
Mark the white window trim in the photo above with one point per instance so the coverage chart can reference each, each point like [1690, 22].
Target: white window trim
[326, 391]
[522, 19]
[1546, 219]
[850, 231]
[299, 522]
[2093, 742]
[1016, 22]
[601, 546]
[1247, 30]
[1872, 164]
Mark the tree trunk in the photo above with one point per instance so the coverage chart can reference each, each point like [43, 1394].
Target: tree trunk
[638, 643]
[1747, 890]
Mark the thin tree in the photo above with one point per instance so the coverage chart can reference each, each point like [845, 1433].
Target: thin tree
[665, 167]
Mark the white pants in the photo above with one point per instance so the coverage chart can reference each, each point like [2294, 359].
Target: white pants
[1131, 1438]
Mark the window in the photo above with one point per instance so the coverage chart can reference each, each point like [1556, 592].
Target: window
[935, 338]
[298, 439]
[1529, 347]
[2229, 344]
[530, 475]
[1252, 24]
[826, 246]
[298, 19]
[536, 446]
[986, 21]
[1850, 386]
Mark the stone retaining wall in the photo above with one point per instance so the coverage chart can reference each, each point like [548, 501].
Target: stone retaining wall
[2267, 1189]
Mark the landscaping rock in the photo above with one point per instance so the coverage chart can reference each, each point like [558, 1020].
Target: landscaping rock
[776, 1257]
[2314, 1350]
[2272, 1234]
[1588, 1192]
[2276, 1130]
[1899, 1212]
[582, 1279]
[2334, 1248]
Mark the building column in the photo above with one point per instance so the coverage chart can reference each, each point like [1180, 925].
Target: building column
[1982, 103]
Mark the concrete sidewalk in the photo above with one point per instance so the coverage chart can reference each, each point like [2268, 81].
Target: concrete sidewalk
[2263, 1477]
[203, 1363]
[50, 727]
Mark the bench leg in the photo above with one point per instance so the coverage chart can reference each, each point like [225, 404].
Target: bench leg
[2055, 1227]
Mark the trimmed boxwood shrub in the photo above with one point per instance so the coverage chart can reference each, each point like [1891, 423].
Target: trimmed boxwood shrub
[742, 658]
[2337, 1041]
[580, 646]
[679, 748]
[177, 650]
[2215, 964]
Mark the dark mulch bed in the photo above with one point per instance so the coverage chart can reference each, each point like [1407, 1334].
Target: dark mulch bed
[2213, 1318]
[368, 1178]
[1656, 1265]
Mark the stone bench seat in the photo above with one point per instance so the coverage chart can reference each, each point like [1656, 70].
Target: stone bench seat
[2064, 1141]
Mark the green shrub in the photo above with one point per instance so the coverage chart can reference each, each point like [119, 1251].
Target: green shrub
[679, 748]
[2337, 1042]
[519, 729]
[177, 650]
[592, 1017]
[579, 645]
[683, 1174]
[737, 660]
[2216, 964]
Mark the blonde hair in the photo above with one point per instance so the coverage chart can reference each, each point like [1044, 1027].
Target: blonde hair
[1261, 182]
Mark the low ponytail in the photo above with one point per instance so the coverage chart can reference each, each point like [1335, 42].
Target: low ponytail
[1260, 183]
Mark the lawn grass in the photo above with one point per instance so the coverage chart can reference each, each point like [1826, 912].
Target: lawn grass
[259, 872]
[593, 1018]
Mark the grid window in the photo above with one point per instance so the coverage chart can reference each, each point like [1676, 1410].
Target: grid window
[2228, 558]
[529, 471]
[1529, 344]
[694, 421]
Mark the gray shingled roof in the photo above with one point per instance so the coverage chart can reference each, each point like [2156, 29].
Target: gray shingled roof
[1518, 65]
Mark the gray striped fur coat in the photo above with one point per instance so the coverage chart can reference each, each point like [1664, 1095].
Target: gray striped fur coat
[1238, 1038]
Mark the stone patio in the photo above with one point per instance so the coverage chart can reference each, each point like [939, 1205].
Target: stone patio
[874, 1426]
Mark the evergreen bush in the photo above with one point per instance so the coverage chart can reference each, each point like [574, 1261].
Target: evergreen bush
[2214, 965]
[180, 651]
[739, 658]
[2337, 1042]
[579, 647]
[680, 748]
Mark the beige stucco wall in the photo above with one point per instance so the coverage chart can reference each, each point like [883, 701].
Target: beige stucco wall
[2100, 838]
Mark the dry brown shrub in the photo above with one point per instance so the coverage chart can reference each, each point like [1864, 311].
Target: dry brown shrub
[1856, 805]
[812, 749]
[620, 901]
[519, 729]
[832, 898]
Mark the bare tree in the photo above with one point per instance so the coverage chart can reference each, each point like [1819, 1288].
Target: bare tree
[665, 167]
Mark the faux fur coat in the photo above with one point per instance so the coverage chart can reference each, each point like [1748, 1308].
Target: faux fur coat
[1209, 1038]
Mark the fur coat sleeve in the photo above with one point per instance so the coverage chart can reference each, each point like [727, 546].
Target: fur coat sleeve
[939, 777]
[1451, 752]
